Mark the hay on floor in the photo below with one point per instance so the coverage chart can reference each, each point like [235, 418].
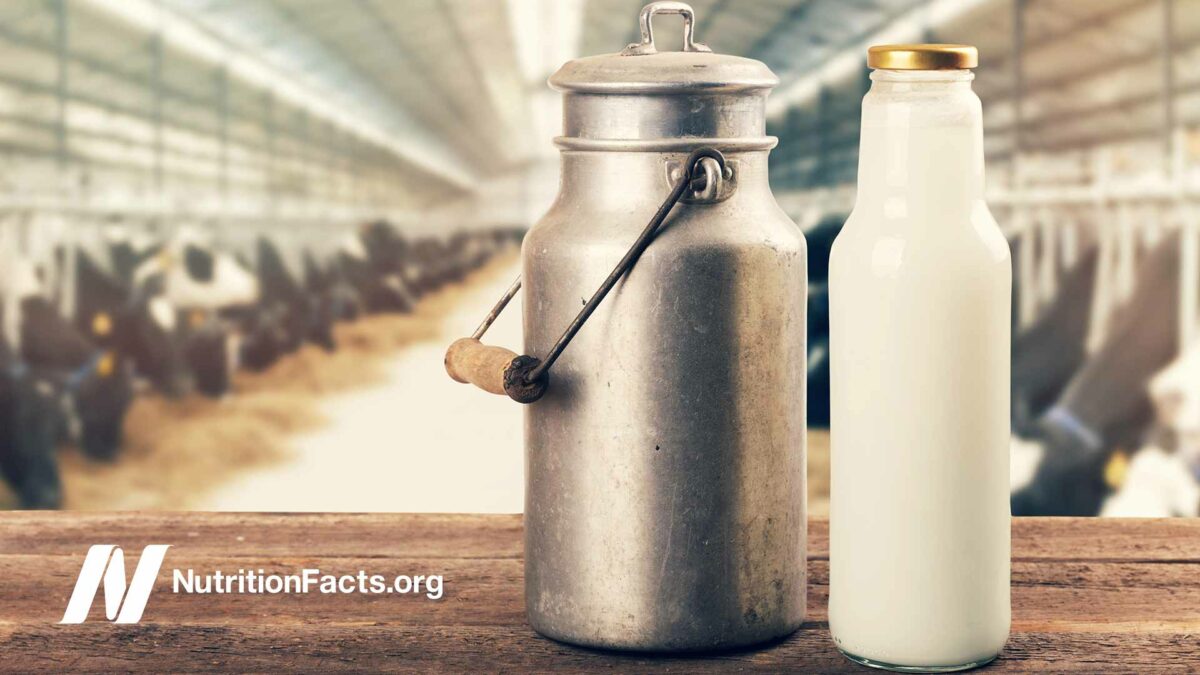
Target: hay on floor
[176, 450]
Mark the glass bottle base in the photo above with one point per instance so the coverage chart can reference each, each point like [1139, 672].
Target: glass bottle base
[917, 669]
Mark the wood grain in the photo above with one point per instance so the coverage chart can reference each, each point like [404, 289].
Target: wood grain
[367, 648]
[1089, 596]
[266, 534]
[470, 361]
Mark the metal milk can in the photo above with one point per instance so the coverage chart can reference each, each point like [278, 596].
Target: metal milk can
[664, 431]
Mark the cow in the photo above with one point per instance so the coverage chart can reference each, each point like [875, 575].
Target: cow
[1047, 354]
[1014, 246]
[95, 385]
[1155, 484]
[1176, 396]
[1163, 479]
[263, 332]
[1106, 405]
[200, 284]
[281, 284]
[379, 276]
[427, 265]
[467, 251]
[325, 280]
[30, 423]
[129, 251]
[384, 246]
[207, 347]
[136, 322]
[819, 241]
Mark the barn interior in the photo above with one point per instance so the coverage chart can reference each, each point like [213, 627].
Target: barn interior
[238, 235]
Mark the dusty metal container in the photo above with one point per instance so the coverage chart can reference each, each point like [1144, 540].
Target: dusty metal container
[665, 463]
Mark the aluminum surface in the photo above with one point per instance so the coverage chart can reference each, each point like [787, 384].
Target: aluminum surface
[665, 465]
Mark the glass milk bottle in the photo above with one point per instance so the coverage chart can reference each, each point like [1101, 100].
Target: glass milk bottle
[919, 292]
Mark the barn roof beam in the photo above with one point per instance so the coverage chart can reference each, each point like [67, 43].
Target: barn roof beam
[188, 35]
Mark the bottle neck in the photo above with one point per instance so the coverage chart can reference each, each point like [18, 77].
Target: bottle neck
[922, 143]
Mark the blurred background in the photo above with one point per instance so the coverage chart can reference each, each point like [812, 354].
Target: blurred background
[237, 235]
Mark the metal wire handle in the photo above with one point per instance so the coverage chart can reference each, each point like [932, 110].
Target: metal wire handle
[526, 378]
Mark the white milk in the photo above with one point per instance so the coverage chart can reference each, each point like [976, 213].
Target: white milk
[919, 286]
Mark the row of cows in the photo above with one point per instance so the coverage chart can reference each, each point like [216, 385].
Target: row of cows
[1091, 413]
[180, 316]
[1080, 417]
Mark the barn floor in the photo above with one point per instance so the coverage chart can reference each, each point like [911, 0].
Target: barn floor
[375, 426]
[416, 441]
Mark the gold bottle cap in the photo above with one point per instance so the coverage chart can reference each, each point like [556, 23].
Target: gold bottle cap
[922, 57]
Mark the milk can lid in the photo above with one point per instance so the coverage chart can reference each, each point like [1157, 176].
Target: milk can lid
[641, 69]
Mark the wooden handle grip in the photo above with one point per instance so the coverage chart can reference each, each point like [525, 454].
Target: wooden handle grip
[471, 362]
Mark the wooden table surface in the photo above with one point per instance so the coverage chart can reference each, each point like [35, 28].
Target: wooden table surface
[1088, 596]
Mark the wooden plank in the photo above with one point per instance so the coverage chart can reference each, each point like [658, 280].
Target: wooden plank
[360, 535]
[1110, 539]
[499, 536]
[333, 649]
[1088, 596]
[1046, 596]
[475, 592]
[1082, 596]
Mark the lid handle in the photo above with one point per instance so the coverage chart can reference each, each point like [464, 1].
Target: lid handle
[646, 21]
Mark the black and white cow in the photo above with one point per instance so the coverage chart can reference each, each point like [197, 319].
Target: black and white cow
[1163, 478]
[819, 240]
[263, 332]
[1050, 351]
[426, 265]
[30, 425]
[384, 245]
[130, 250]
[375, 263]
[282, 285]
[137, 323]
[95, 385]
[200, 284]
[1106, 404]
[326, 280]
[469, 251]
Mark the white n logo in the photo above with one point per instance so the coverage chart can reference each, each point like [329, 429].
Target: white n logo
[106, 564]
